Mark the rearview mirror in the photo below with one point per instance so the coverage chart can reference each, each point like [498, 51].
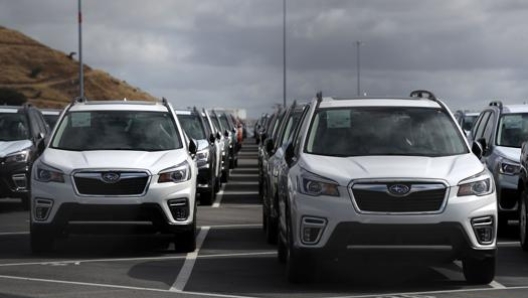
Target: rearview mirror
[41, 145]
[476, 148]
[212, 138]
[226, 133]
[218, 135]
[289, 154]
[483, 145]
[270, 146]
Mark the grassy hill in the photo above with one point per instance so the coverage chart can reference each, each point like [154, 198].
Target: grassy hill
[49, 78]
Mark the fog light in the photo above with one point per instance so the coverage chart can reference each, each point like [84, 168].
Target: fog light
[484, 229]
[20, 181]
[312, 229]
[42, 208]
[179, 209]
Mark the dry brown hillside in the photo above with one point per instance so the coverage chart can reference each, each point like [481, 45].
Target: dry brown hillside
[49, 78]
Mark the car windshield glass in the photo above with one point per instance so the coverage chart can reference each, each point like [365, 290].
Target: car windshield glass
[384, 131]
[216, 123]
[51, 119]
[117, 130]
[290, 126]
[224, 122]
[469, 121]
[192, 126]
[13, 127]
[513, 130]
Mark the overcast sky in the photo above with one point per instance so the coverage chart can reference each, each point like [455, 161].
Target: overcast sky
[228, 53]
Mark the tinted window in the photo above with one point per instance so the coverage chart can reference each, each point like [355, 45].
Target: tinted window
[384, 131]
[117, 130]
[13, 127]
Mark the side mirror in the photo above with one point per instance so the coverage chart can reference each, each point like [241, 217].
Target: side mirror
[270, 146]
[212, 138]
[289, 155]
[234, 130]
[218, 135]
[226, 133]
[476, 148]
[483, 145]
[192, 148]
[41, 145]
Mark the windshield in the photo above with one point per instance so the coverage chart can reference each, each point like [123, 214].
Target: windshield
[469, 121]
[225, 124]
[117, 130]
[13, 127]
[192, 126]
[384, 131]
[290, 126]
[51, 119]
[513, 130]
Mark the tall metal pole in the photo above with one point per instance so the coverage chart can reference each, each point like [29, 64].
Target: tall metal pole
[284, 51]
[358, 44]
[81, 74]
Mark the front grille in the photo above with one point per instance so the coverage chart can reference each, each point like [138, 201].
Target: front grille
[128, 183]
[376, 197]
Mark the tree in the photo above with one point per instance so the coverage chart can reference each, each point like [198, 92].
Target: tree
[9, 96]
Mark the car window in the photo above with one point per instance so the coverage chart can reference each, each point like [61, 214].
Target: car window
[192, 125]
[13, 127]
[117, 130]
[384, 131]
[513, 130]
[482, 125]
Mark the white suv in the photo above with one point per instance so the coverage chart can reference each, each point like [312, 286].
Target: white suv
[112, 164]
[391, 178]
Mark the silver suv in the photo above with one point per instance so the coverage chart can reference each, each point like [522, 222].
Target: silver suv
[115, 164]
[389, 178]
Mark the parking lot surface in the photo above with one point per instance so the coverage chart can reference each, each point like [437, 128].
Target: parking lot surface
[232, 260]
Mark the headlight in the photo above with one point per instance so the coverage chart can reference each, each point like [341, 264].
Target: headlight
[315, 185]
[478, 185]
[20, 156]
[48, 174]
[179, 173]
[509, 168]
[203, 154]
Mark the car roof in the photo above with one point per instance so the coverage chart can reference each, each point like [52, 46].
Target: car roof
[512, 109]
[114, 105]
[329, 102]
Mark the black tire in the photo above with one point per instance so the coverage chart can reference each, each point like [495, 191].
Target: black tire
[271, 230]
[264, 219]
[26, 202]
[282, 251]
[41, 240]
[225, 176]
[502, 224]
[232, 163]
[218, 184]
[207, 197]
[479, 271]
[523, 221]
[236, 163]
[185, 241]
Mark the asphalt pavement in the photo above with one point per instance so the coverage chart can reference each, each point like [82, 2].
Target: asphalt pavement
[232, 260]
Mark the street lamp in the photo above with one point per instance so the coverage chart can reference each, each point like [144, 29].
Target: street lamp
[284, 52]
[81, 75]
[358, 44]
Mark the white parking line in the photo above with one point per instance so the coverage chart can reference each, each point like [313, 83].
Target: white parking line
[236, 226]
[508, 244]
[190, 260]
[244, 183]
[243, 175]
[240, 193]
[13, 233]
[66, 282]
[219, 196]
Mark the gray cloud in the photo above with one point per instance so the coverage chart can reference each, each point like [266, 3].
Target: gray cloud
[229, 52]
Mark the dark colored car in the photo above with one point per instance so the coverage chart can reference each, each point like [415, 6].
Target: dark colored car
[196, 128]
[21, 130]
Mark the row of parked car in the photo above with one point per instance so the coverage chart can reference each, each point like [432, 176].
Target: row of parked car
[106, 166]
[344, 180]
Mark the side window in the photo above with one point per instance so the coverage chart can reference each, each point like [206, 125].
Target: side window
[299, 131]
[482, 124]
[477, 125]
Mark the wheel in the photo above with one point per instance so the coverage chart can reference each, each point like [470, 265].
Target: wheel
[479, 271]
[502, 223]
[264, 219]
[232, 163]
[282, 251]
[523, 217]
[271, 230]
[186, 241]
[225, 176]
[26, 203]
[207, 197]
[236, 163]
[41, 240]
[218, 184]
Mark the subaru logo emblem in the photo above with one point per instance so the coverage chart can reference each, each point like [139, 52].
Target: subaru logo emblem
[110, 177]
[399, 189]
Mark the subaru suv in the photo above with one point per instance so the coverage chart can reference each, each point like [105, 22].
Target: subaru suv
[22, 128]
[501, 129]
[115, 164]
[390, 178]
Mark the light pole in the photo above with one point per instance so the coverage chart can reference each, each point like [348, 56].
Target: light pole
[358, 45]
[81, 74]
[284, 52]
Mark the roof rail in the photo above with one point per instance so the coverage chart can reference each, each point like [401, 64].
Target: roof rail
[165, 103]
[319, 96]
[496, 103]
[428, 95]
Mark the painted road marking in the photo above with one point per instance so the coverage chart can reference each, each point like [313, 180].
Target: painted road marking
[190, 260]
[13, 233]
[219, 196]
[240, 193]
[243, 175]
[244, 183]
[508, 244]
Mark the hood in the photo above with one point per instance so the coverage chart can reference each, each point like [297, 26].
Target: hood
[202, 144]
[513, 154]
[451, 169]
[7, 148]
[68, 161]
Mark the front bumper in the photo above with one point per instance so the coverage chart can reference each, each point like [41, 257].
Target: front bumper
[14, 180]
[507, 195]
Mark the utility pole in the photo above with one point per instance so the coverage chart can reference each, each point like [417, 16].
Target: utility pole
[81, 74]
[358, 44]
[284, 52]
